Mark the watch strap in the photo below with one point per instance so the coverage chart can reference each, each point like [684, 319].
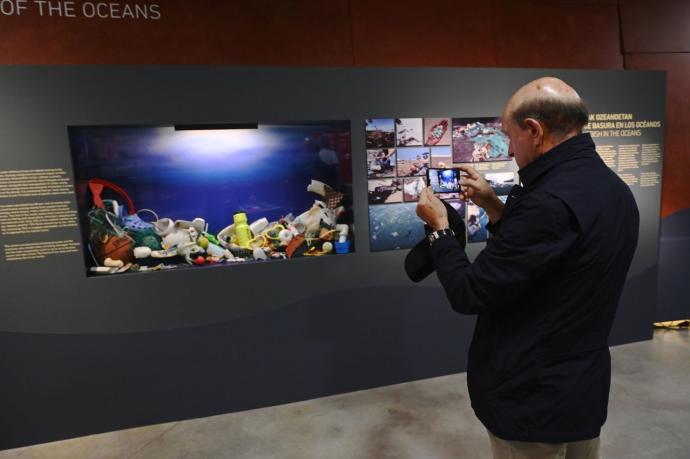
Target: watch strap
[435, 235]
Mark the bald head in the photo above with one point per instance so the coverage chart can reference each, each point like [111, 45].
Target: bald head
[552, 103]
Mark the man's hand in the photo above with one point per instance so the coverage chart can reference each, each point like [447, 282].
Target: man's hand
[474, 187]
[431, 210]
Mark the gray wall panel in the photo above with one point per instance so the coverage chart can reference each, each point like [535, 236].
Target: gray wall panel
[354, 322]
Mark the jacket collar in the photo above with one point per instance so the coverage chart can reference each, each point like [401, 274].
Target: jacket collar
[575, 147]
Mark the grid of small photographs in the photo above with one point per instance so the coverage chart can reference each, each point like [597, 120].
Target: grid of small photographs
[399, 153]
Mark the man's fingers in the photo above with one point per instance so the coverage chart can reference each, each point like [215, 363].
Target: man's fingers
[471, 171]
[424, 196]
[434, 199]
[474, 184]
[424, 205]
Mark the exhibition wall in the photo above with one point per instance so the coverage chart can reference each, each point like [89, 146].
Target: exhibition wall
[91, 354]
[64, 376]
[605, 34]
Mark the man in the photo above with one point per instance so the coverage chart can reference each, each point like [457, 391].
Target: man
[546, 287]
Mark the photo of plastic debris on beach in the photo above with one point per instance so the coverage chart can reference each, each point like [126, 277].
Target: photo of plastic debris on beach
[385, 191]
[157, 198]
[479, 139]
[500, 182]
[437, 131]
[380, 133]
[409, 132]
[395, 226]
[413, 161]
[441, 157]
[476, 223]
[459, 206]
[381, 162]
[412, 188]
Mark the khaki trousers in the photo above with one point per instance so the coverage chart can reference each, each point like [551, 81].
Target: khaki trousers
[502, 449]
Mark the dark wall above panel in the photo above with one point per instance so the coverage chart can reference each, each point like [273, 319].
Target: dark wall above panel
[537, 34]
[412, 33]
[661, 26]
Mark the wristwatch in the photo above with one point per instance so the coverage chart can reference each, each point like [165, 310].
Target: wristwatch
[434, 235]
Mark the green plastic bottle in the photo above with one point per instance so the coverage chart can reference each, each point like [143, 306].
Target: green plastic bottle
[244, 234]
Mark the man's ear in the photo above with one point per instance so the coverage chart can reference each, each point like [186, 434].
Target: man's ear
[536, 131]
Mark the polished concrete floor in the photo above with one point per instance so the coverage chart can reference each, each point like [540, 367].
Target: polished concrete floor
[649, 417]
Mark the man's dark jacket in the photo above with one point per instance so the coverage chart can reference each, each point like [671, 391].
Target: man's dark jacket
[545, 290]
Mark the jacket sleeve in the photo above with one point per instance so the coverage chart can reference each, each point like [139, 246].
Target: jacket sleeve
[533, 236]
